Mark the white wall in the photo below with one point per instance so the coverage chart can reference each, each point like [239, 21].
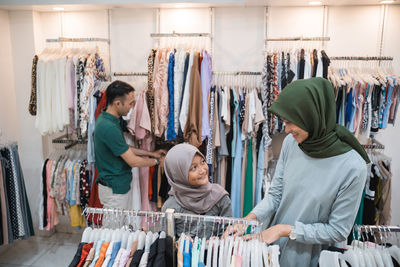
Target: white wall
[239, 39]
[29, 141]
[238, 45]
[8, 110]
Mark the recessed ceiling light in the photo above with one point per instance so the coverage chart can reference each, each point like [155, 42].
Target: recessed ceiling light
[179, 6]
[315, 3]
[58, 8]
[387, 2]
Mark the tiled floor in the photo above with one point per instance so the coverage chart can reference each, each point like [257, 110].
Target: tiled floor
[56, 250]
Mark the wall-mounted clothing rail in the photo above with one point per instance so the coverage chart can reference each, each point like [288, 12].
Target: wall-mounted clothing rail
[233, 73]
[130, 73]
[65, 39]
[361, 58]
[374, 146]
[176, 34]
[65, 139]
[300, 38]
[236, 73]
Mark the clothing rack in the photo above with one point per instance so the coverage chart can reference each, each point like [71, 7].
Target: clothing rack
[216, 219]
[175, 34]
[130, 73]
[235, 73]
[170, 215]
[362, 58]
[379, 228]
[300, 38]
[65, 39]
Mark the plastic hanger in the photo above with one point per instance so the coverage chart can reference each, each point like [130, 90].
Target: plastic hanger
[141, 240]
[209, 251]
[131, 238]
[115, 235]
[124, 239]
[154, 238]
[148, 240]
[108, 235]
[86, 235]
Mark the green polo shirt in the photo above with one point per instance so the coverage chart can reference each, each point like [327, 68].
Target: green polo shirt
[109, 145]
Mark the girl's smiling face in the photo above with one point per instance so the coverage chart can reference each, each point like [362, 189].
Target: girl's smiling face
[198, 171]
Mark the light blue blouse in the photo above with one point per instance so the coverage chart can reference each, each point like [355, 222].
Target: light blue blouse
[319, 196]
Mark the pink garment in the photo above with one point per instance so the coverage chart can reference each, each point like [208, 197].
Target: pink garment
[140, 126]
[238, 261]
[140, 122]
[124, 258]
[52, 218]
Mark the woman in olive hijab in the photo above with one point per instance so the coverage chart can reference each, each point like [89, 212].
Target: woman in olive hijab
[319, 179]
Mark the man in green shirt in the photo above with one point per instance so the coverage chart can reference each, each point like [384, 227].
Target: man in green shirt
[114, 157]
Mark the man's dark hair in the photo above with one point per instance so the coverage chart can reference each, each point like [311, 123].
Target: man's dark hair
[118, 89]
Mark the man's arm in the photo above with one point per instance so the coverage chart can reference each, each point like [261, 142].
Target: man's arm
[144, 153]
[136, 161]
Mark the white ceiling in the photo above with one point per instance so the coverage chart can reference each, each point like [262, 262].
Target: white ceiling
[74, 5]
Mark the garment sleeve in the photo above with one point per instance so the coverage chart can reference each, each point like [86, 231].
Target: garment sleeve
[342, 216]
[266, 209]
[115, 141]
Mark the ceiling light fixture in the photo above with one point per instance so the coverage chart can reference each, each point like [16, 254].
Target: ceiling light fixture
[58, 8]
[315, 3]
[387, 2]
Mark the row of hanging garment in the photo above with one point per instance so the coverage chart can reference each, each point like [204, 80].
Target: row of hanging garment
[121, 247]
[281, 67]
[376, 204]
[62, 82]
[367, 96]
[379, 253]
[232, 145]
[179, 79]
[122, 242]
[234, 150]
[65, 188]
[228, 251]
[16, 219]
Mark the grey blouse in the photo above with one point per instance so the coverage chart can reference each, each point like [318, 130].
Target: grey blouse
[320, 197]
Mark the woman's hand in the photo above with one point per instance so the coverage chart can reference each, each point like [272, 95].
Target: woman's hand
[239, 228]
[275, 232]
[235, 230]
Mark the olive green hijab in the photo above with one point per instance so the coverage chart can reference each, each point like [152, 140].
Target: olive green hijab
[310, 104]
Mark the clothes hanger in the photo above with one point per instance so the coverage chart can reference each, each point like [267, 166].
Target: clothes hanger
[141, 240]
[154, 237]
[86, 235]
[148, 241]
[387, 260]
